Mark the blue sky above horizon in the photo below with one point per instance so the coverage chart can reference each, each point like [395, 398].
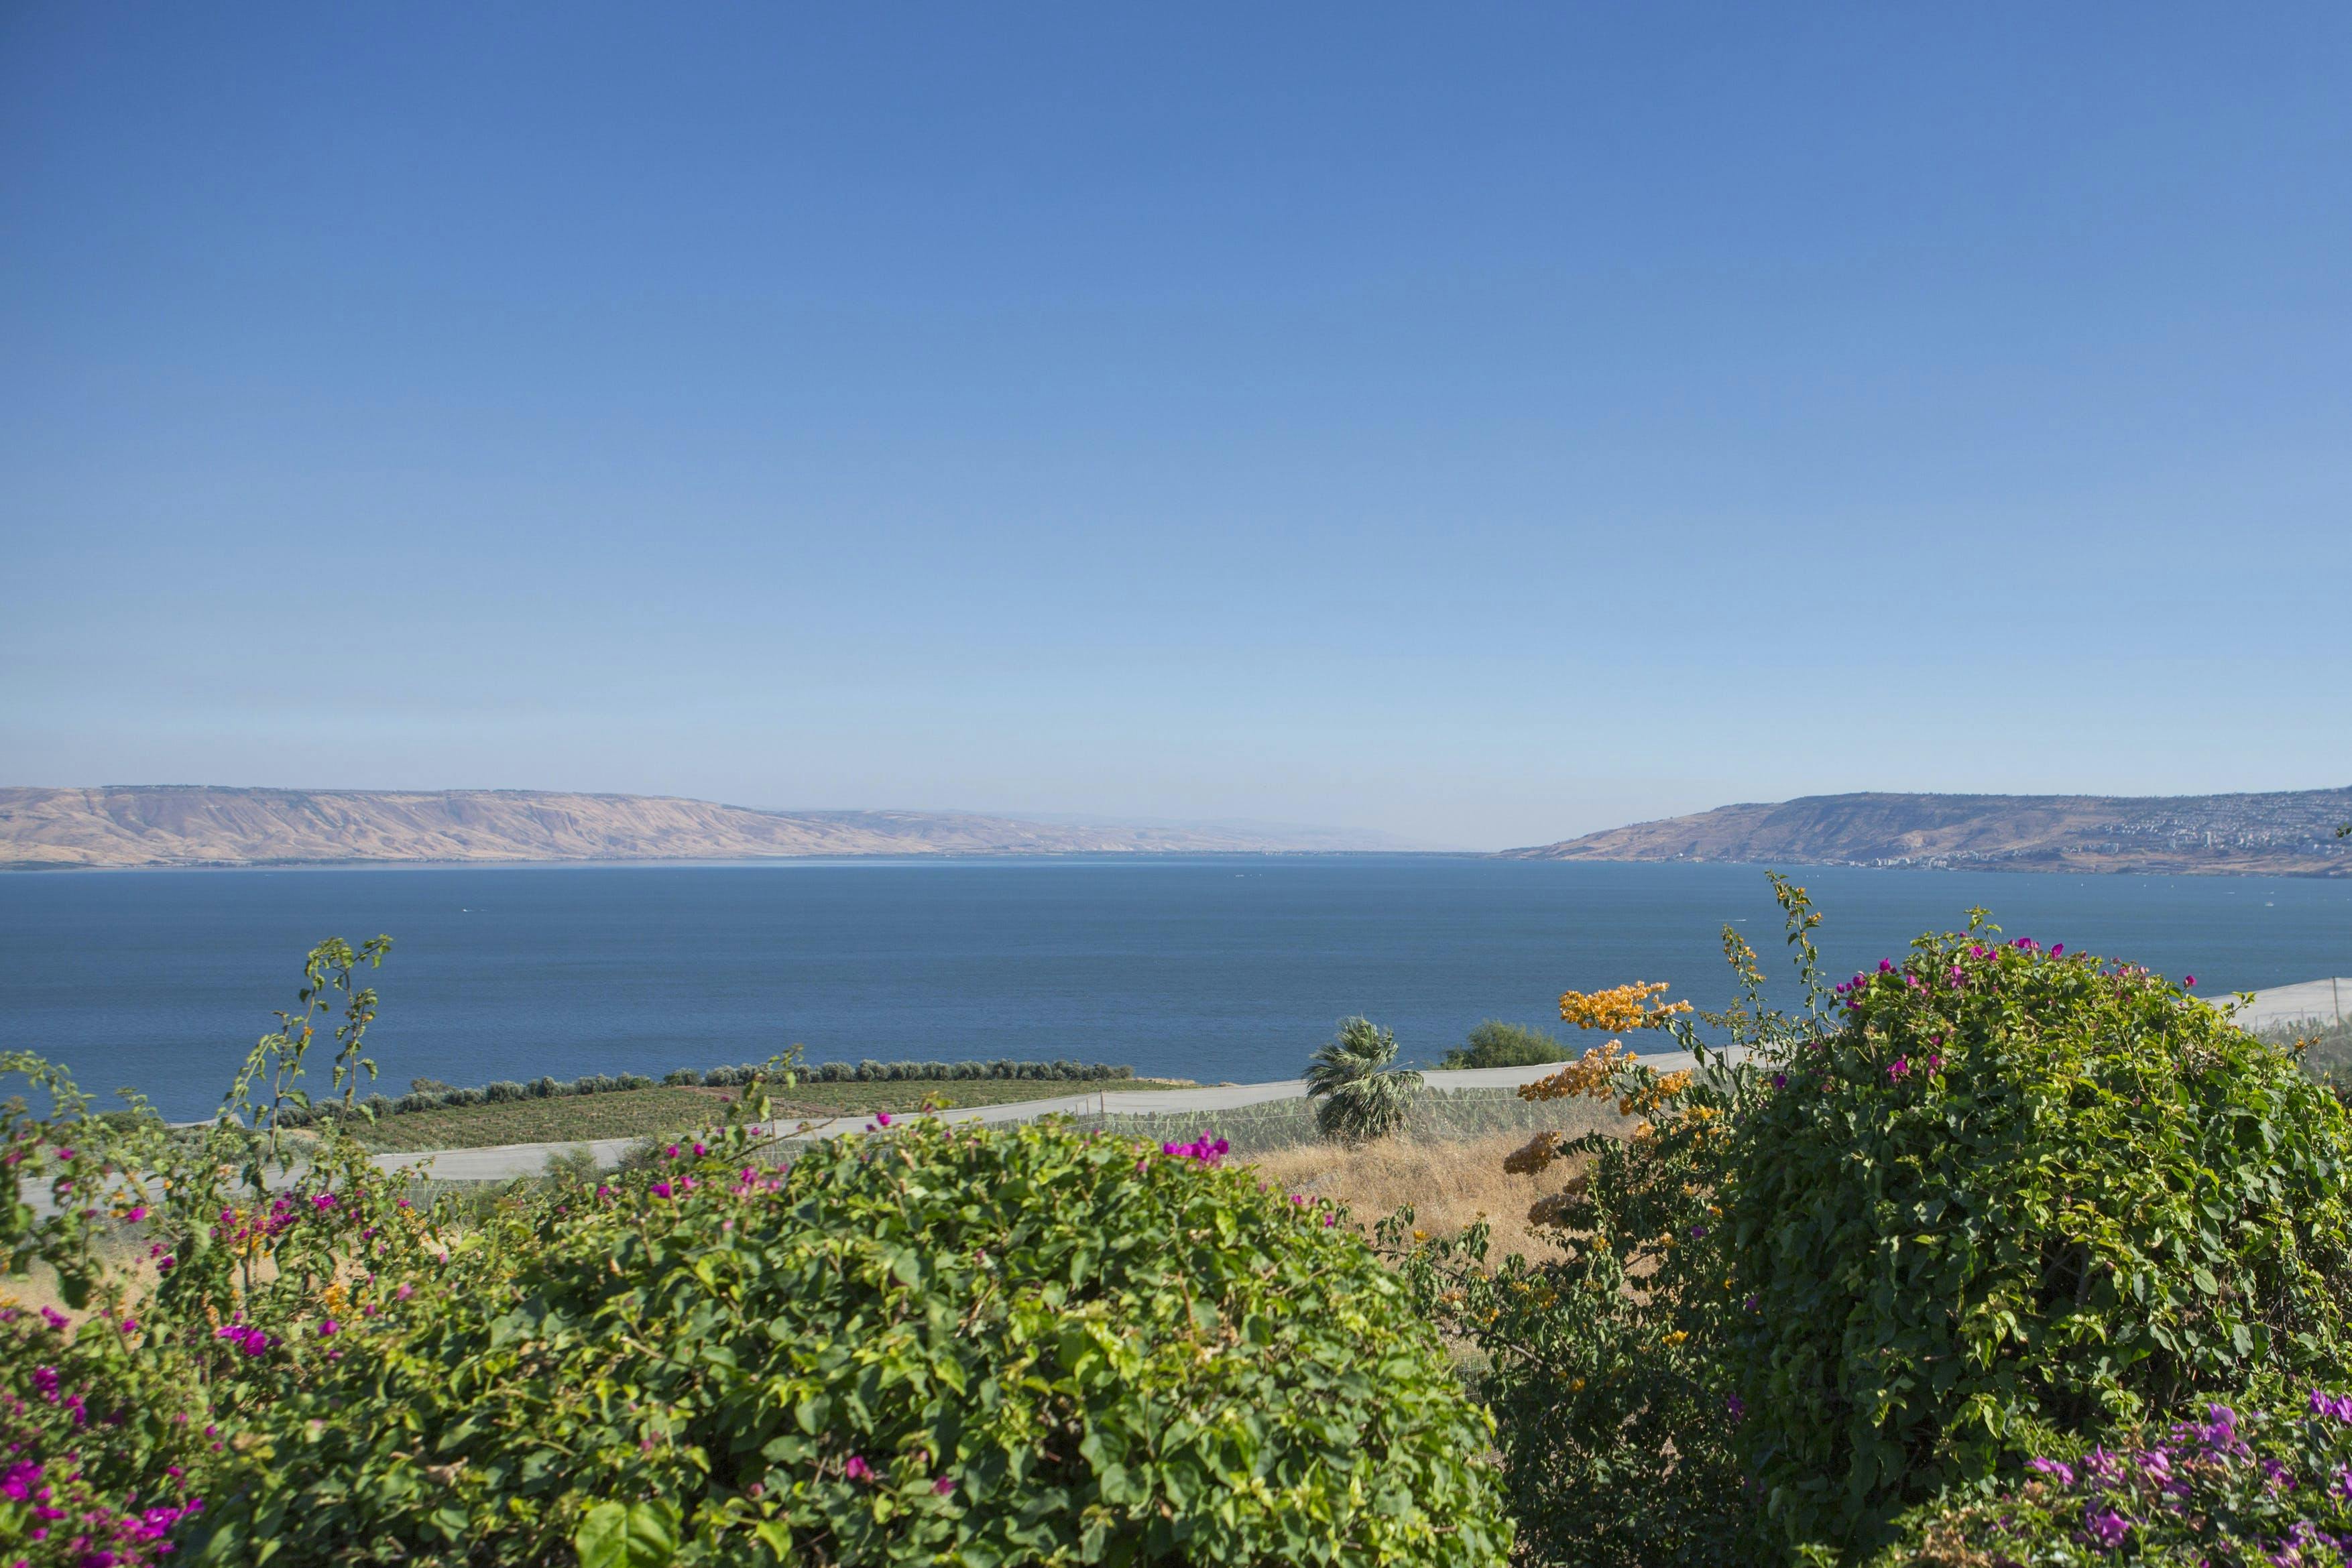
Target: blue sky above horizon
[1482, 426]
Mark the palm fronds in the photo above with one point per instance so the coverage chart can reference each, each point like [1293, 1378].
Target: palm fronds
[1361, 1096]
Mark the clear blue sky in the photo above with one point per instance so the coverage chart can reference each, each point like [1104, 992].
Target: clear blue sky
[1483, 423]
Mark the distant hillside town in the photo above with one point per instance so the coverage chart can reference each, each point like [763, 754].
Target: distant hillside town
[2288, 833]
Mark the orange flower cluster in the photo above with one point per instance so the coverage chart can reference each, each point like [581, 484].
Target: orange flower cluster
[1620, 1008]
[1594, 1075]
[1665, 1087]
[1531, 1159]
[1588, 1074]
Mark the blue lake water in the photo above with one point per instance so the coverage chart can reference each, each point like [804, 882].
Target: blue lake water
[1211, 968]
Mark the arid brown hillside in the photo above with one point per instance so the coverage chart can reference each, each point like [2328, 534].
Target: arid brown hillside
[196, 825]
[2292, 833]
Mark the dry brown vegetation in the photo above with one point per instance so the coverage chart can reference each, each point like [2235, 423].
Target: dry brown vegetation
[1449, 1183]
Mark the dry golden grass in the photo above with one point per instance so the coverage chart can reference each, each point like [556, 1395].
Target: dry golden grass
[1449, 1183]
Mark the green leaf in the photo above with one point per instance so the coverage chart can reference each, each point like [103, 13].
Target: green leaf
[632, 1535]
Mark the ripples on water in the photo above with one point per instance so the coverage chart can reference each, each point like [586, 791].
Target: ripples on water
[1211, 968]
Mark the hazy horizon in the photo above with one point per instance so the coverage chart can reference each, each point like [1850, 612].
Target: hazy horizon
[1304, 835]
[1482, 428]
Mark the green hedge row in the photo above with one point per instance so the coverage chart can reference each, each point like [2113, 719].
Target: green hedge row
[720, 1077]
[496, 1093]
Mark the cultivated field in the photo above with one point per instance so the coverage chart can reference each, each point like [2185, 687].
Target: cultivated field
[644, 1113]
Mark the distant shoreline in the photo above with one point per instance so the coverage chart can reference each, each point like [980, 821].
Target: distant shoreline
[1126, 857]
[2287, 832]
[879, 858]
[206, 826]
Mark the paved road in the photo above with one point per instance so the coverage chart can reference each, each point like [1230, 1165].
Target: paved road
[2322, 999]
[2324, 1002]
[510, 1160]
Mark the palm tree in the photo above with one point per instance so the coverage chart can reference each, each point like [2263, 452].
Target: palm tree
[1363, 1097]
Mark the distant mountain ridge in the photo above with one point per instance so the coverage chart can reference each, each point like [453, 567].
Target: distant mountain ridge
[190, 825]
[2289, 832]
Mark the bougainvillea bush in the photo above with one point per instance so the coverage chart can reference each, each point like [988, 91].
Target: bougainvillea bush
[95, 1451]
[1970, 1205]
[197, 1273]
[930, 1343]
[2020, 1192]
[2228, 1489]
[923, 1343]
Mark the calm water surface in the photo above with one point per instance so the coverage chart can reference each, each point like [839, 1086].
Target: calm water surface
[1213, 968]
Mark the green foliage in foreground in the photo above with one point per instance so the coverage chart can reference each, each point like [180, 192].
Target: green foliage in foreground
[1499, 1044]
[932, 1343]
[1983, 1200]
[1006, 1346]
[1362, 1095]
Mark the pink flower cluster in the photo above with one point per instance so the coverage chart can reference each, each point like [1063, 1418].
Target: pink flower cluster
[280, 1218]
[246, 1336]
[2190, 1475]
[54, 1500]
[1201, 1148]
[748, 1182]
[129, 1537]
[855, 1469]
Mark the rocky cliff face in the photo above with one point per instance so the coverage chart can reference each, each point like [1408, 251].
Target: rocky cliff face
[2291, 833]
[169, 825]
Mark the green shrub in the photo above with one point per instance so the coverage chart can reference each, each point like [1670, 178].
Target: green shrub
[938, 1344]
[2019, 1193]
[1927, 1228]
[1605, 1369]
[1495, 1043]
[577, 1166]
[2228, 1488]
[134, 1415]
